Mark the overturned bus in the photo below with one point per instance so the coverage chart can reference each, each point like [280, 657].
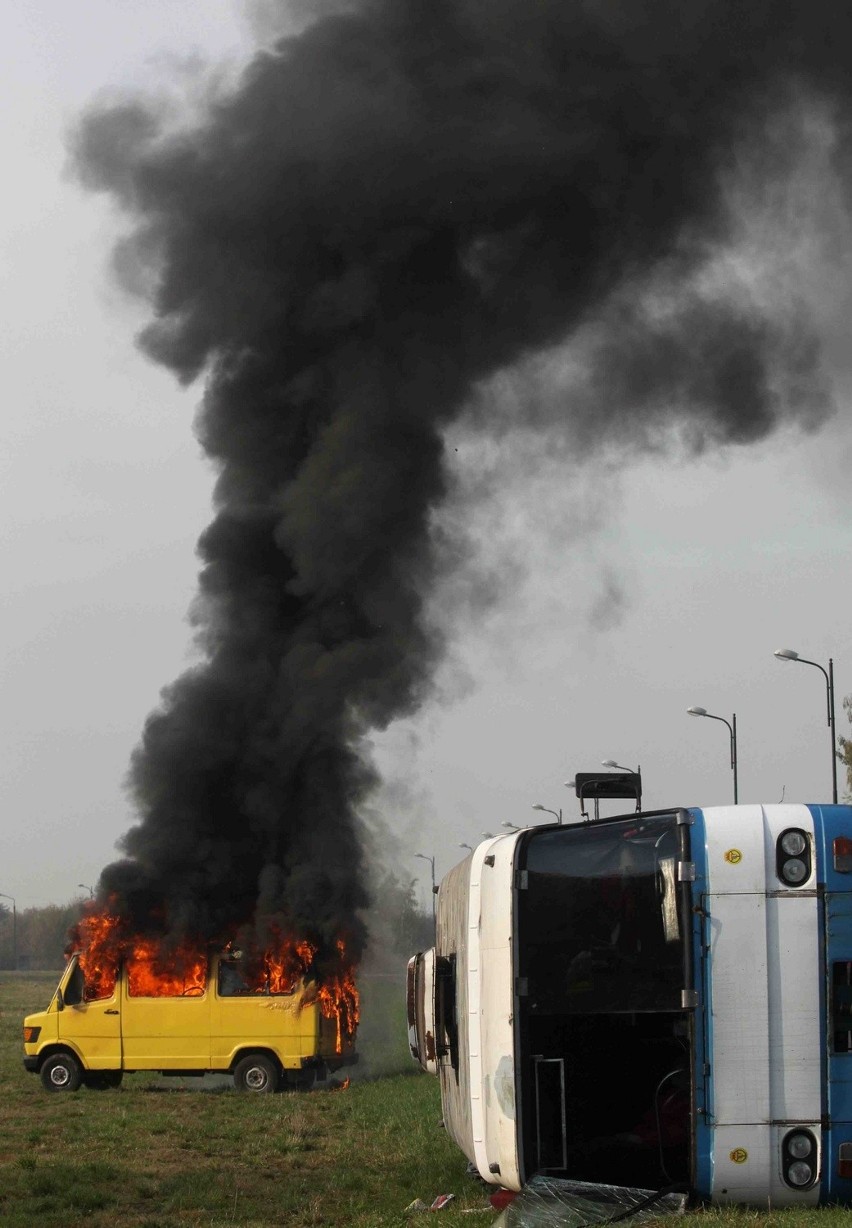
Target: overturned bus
[659, 1000]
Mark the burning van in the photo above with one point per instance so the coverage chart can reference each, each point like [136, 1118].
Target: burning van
[658, 1000]
[222, 1013]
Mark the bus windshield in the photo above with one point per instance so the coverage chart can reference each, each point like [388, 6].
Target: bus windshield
[599, 930]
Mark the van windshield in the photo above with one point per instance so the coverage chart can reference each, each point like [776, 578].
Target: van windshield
[599, 929]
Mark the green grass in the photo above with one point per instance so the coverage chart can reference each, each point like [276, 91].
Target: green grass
[158, 1153]
[168, 1153]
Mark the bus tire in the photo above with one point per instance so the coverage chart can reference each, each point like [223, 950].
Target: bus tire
[256, 1073]
[61, 1072]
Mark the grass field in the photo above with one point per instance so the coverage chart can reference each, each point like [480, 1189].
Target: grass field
[162, 1153]
[158, 1153]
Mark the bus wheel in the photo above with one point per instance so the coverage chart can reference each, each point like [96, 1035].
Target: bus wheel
[61, 1072]
[256, 1073]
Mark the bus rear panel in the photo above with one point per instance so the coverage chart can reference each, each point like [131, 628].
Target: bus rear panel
[651, 1000]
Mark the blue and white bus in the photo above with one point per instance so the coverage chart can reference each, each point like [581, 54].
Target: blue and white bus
[658, 999]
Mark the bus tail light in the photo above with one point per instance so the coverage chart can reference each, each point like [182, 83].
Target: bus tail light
[844, 1160]
[793, 857]
[843, 854]
[799, 1159]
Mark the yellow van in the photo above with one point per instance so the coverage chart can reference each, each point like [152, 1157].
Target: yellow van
[214, 1023]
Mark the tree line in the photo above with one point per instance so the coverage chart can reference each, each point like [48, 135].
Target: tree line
[36, 938]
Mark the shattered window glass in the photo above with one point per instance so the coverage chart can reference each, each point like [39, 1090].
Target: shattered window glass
[546, 1202]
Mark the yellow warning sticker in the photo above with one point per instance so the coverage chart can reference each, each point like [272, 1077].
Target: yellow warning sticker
[739, 1155]
[733, 857]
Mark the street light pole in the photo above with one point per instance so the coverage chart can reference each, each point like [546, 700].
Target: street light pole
[789, 654]
[557, 814]
[431, 861]
[14, 929]
[732, 729]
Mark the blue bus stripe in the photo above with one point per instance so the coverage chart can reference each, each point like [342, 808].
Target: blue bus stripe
[836, 911]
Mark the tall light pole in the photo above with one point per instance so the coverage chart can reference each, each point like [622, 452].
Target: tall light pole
[431, 861]
[14, 929]
[557, 814]
[732, 729]
[789, 654]
[463, 845]
[90, 890]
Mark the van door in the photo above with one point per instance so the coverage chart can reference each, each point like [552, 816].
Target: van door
[90, 1025]
[169, 1031]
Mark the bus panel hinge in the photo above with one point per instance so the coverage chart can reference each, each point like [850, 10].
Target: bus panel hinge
[688, 999]
[686, 871]
[685, 819]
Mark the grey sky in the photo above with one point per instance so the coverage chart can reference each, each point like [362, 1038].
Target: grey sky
[626, 591]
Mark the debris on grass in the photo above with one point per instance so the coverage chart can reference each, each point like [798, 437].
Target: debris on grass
[414, 1207]
[442, 1201]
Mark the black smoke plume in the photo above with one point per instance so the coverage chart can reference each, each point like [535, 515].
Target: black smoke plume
[390, 206]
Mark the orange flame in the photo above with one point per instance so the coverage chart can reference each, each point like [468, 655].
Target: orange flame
[339, 1000]
[156, 970]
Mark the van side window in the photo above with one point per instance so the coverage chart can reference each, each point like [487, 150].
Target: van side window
[232, 980]
[148, 977]
[90, 984]
[75, 988]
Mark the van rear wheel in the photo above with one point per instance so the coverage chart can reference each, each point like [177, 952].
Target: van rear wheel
[61, 1072]
[256, 1073]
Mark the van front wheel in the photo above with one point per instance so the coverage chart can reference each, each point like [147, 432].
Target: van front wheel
[256, 1073]
[61, 1072]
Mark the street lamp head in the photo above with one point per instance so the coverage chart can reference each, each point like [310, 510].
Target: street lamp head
[511, 826]
[695, 710]
[487, 835]
[786, 654]
[610, 763]
[538, 806]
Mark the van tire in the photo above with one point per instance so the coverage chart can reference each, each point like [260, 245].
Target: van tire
[61, 1072]
[257, 1073]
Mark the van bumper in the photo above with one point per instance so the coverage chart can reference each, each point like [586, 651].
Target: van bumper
[335, 1063]
[31, 1064]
